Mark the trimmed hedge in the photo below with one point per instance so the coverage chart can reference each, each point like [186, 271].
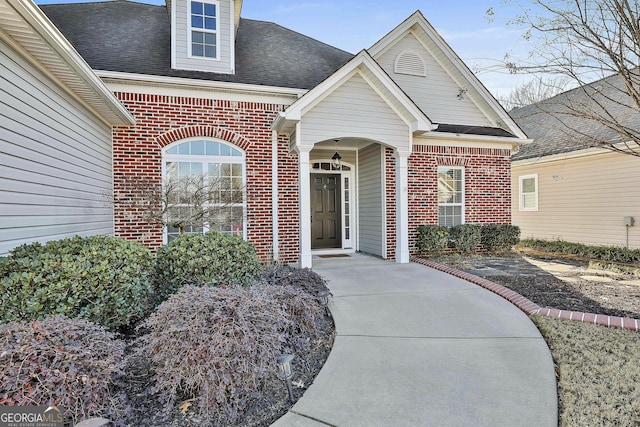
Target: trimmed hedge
[102, 278]
[209, 259]
[602, 253]
[465, 238]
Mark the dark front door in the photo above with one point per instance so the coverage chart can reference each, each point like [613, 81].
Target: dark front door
[326, 212]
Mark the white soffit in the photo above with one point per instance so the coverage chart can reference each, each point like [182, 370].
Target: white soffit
[24, 23]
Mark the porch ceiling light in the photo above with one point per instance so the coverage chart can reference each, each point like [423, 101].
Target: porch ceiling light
[336, 157]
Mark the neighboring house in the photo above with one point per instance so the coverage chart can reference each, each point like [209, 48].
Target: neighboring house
[565, 187]
[265, 109]
[56, 119]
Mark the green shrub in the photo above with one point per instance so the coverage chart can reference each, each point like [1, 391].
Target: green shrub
[432, 238]
[102, 278]
[499, 237]
[466, 237]
[603, 253]
[209, 259]
[60, 361]
[304, 278]
[218, 345]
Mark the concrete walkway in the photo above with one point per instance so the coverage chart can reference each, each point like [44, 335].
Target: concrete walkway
[418, 347]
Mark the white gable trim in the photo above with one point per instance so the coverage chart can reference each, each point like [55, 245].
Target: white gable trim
[456, 68]
[24, 24]
[365, 66]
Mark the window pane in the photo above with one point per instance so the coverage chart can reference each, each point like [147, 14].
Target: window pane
[210, 39]
[183, 148]
[196, 7]
[213, 148]
[529, 185]
[197, 148]
[197, 50]
[528, 201]
[210, 9]
[210, 23]
[197, 21]
[236, 169]
[214, 170]
[210, 51]
[225, 150]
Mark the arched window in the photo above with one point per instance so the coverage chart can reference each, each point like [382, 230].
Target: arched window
[204, 181]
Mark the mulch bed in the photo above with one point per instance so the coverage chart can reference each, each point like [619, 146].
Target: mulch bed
[514, 272]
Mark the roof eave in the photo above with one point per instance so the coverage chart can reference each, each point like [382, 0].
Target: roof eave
[53, 52]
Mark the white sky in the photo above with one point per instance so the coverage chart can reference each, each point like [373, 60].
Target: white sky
[354, 25]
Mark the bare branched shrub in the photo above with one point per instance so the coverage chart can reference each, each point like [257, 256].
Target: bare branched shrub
[218, 345]
[304, 278]
[71, 363]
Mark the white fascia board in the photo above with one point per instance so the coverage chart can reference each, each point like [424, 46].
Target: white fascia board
[67, 54]
[164, 81]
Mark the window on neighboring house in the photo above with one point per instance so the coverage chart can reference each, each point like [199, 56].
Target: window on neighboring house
[450, 195]
[529, 193]
[204, 183]
[204, 29]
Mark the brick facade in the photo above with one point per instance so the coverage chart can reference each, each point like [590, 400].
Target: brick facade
[487, 174]
[162, 120]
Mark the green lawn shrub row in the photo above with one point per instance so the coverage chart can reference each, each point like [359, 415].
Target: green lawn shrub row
[602, 253]
[101, 278]
[466, 238]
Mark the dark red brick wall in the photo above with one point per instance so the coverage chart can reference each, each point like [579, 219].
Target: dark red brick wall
[487, 174]
[162, 120]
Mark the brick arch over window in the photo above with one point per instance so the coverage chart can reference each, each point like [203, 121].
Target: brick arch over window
[202, 131]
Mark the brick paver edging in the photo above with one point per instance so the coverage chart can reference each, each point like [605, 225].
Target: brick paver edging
[528, 306]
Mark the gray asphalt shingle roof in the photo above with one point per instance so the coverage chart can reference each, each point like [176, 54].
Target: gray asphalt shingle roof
[131, 37]
[574, 120]
[134, 37]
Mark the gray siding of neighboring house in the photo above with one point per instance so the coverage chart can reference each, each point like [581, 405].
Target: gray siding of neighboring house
[370, 193]
[223, 64]
[55, 160]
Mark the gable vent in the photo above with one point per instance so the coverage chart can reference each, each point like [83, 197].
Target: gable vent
[411, 63]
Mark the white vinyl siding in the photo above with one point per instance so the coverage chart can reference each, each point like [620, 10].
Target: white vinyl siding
[582, 200]
[354, 110]
[435, 94]
[529, 193]
[55, 160]
[370, 184]
[181, 45]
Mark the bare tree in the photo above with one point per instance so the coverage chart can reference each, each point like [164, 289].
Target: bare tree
[596, 46]
[533, 91]
[185, 203]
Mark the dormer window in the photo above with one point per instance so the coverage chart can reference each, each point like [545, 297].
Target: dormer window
[204, 29]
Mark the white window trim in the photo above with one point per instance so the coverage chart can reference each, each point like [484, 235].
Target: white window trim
[463, 203]
[208, 159]
[190, 30]
[521, 193]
